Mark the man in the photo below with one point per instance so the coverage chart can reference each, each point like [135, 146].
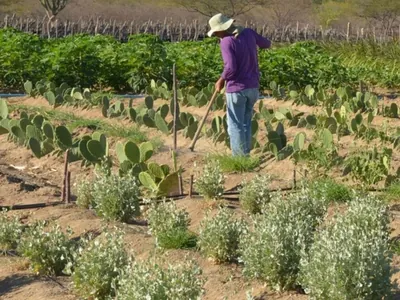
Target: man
[241, 76]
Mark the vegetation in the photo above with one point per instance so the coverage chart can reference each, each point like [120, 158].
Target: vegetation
[95, 271]
[255, 194]
[240, 164]
[48, 251]
[141, 280]
[272, 251]
[350, 258]
[10, 231]
[170, 226]
[210, 184]
[220, 235]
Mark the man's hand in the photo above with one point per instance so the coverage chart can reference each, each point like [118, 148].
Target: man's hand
[219, 85]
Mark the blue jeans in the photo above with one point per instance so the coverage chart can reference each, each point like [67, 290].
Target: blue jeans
[239, 114]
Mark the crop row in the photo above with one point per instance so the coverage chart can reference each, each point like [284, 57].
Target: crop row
[101, 62]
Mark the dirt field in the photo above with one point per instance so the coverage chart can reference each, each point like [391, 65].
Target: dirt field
[223, 281]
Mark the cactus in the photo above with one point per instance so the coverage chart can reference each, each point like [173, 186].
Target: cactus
[327, 138]
[23, 123]
[146, 151]
[120, 151]
[190, 131]
[38, 121]
[149, 122]
[184, 118]
[48, 130]
[84, 151]
[331, 124]
[311, 120]
[359, 119]
[28, 87]
[149, 101]
[132, 152]
[3, 109]
[254, 127]
[163, 188]
[64, 137]
[96, 149]
[155, 170]
[299, 140]
[161, 124]
[216, 125]
[97, 136]
[164, 110]
[172, 105]
[50, 97]
[34, 145]
[18, 134]
[394, 110]
[34, 132]
[132, 114]
[105, 106]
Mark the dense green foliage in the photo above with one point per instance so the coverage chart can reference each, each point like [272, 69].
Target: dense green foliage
[102, 62]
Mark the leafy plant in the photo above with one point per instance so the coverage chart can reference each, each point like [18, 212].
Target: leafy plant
[116, 197]
[370, 166]
[85, 194]
[327, 188]
[210, 184]
[169, 225]
[350, 258]
[48, 251]
[10, 231]
[272, 251]
[97, 264]
[148, 280]
[255, 193]
[240, 164]
[219, 236]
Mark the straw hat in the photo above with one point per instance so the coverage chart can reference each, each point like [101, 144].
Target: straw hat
[219, 22]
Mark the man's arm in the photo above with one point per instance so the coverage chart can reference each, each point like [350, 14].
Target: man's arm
[261, 41]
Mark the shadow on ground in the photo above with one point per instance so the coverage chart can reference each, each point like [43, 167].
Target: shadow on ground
[13, 282]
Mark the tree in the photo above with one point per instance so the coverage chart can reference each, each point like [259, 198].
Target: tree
[383, 12]
[230, 8]
[53, 8]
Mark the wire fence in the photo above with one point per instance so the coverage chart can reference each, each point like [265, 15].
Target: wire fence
[193, 30]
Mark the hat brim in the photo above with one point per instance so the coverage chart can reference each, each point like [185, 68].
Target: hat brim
[221, 27]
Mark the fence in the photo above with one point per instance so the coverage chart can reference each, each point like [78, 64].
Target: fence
[192, 31]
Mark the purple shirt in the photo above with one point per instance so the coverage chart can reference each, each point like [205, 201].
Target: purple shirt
[241, 60]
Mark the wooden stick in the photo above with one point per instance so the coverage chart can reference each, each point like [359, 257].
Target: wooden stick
[180, 184]
[68, 189]
[64, 189]
[294, 179]
[175, 107]
[191, 186]
[196, 136]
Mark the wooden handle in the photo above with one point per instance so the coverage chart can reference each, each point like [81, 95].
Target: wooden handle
[196, 136]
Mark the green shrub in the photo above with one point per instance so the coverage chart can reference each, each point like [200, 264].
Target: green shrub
[238, 163]
[169, 225]
[150, 281]
[210, 184]
[116, 198]
[331, 190]
[95, 271]
[393, 192]
[85, 194]
[271, 252]
[219, 236]
[255, 193]
[10, 231]
[350, 259]
[48, 251]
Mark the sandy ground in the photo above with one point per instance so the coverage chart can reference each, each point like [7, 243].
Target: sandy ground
[223, 281]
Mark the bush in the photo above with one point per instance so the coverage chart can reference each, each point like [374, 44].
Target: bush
[150, 281]
[85, 194]
[170, 226]
[255, 193]
[350, 259]
[238, 163]
[10, 231]
[219, 236]
[210, 184]
[330, 190]
[48, 251]
[96, 265]
[272, 251]
[116, 198]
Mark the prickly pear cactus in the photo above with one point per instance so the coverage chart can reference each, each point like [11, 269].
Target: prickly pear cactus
[161, 124]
